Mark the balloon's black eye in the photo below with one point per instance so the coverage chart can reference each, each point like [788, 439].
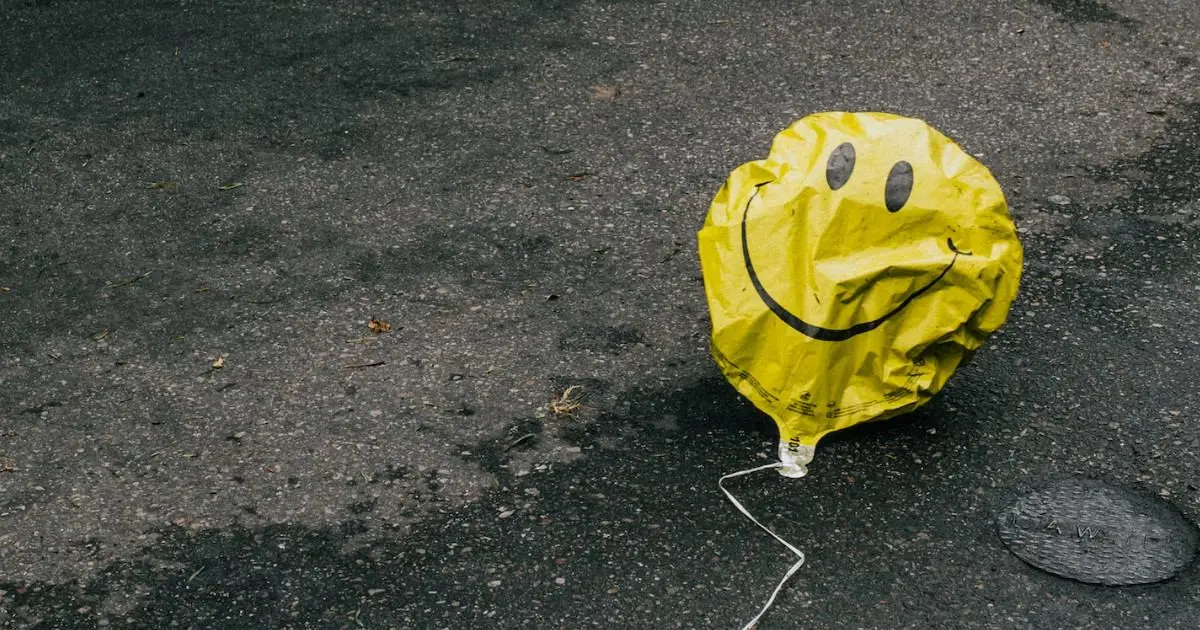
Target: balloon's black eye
[899, 186]
[841, 164]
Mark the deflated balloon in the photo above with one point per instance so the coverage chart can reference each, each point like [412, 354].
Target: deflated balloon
[852, 271]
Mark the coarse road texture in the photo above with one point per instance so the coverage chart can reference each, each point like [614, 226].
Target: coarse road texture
[202, 204]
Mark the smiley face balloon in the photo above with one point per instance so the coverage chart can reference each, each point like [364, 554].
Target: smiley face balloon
[852, 271]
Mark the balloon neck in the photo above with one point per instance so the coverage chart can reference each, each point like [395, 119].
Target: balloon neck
[794, 458]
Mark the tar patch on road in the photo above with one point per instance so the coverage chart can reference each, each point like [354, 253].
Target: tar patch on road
[1093, 532]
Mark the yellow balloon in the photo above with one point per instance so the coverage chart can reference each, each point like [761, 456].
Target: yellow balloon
[852, 271]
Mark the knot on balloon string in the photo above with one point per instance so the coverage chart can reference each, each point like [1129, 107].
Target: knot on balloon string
[738, 504]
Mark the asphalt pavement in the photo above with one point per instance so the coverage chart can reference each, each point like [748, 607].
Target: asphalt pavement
[203, 205]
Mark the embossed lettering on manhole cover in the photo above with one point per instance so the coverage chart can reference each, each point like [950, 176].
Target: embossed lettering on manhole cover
[1097, 533]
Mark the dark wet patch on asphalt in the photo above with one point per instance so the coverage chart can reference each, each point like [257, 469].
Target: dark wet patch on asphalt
[636, 525]
[495, 559]
[1085, 11]
[1148, 233]
[281, 95]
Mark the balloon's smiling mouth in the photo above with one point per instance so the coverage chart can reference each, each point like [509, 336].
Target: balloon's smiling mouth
[821, 333]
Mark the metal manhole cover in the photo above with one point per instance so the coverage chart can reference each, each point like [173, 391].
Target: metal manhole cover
[1097, 533]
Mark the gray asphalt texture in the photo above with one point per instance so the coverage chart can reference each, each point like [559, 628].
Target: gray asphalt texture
[516, 187]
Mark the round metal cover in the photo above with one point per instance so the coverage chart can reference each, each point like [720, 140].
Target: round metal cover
[1097, 533]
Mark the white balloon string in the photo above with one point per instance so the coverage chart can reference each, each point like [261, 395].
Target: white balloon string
[799, 554]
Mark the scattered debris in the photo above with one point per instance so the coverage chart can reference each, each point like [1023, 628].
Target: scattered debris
[604, 93]
[260, 302]
[379, 326]
[8, 468]
[231, 185]
[100, 336]
[112, 284]
[166, 184]
[355, 366]
[569, 402]
[218, 363]
[5, 290]
[42, 407]
[193, 575]
[517, 441]
[454, 58]
[575, 177]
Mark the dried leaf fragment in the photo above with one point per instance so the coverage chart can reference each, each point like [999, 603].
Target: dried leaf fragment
[165, 184]
[231, 185]
[569, 402]
[124, 282]
[604, 93]
[379, 326]
[218, 363]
